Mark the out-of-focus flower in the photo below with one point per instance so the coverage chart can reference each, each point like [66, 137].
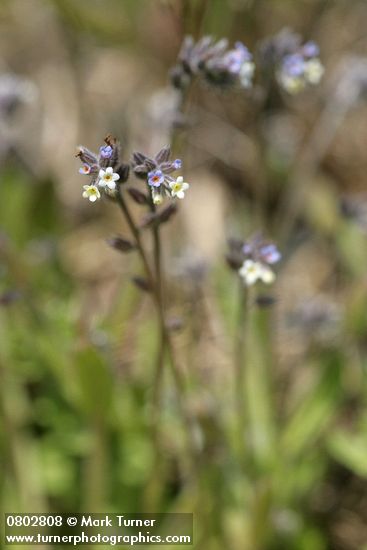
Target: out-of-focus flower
[313, 71]
[91, 192]
[108, 178]
[258, 249]
[273, 49]
[270, 254]
[233, 67]
[213, 61]
[296, 65]
[290, 75]
[310, 49]
[252, 258]
[234, 59]
[179, 187]
[246, 74]
[300, 69]
[251, 272]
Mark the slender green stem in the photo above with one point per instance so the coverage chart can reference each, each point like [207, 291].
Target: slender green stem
[155, 286]
[165, 335]
[136, 234]
[164, 340]
[157, 383]
[239, 363]
[159, 365]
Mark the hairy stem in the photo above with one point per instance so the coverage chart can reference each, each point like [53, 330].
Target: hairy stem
[136, 234]
[164, 332]
[159, 365]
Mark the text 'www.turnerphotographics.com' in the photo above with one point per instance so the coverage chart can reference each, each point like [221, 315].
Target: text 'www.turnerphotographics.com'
[99, 529]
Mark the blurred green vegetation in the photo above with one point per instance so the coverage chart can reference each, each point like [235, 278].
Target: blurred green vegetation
[78, 339]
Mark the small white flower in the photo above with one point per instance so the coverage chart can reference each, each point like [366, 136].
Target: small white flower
[108, 178]
[246, 74]
[157, 197]
[251, 272]
[91, 192]
[292, 84]
[267, 276]
[178, 188]
[314, 71]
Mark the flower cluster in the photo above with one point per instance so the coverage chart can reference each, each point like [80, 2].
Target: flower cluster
[157, 172]
[252, 259]
[297, 70]
[217, 64]
[104, 169]
[296, 65]
[252, 271]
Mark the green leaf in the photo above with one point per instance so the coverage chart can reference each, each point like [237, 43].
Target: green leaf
[350, 450]
[95, 383]
[351, 243]
[316, 411]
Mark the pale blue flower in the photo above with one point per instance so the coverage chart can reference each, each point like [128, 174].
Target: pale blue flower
[155, 178]
[106, 151]
[270, 254]
[85, 169]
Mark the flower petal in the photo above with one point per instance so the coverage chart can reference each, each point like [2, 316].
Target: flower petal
[267, 276]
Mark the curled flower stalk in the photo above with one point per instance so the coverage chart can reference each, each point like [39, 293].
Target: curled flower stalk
[213, 62]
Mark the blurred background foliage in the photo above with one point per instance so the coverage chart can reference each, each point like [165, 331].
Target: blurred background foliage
[77, 338]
